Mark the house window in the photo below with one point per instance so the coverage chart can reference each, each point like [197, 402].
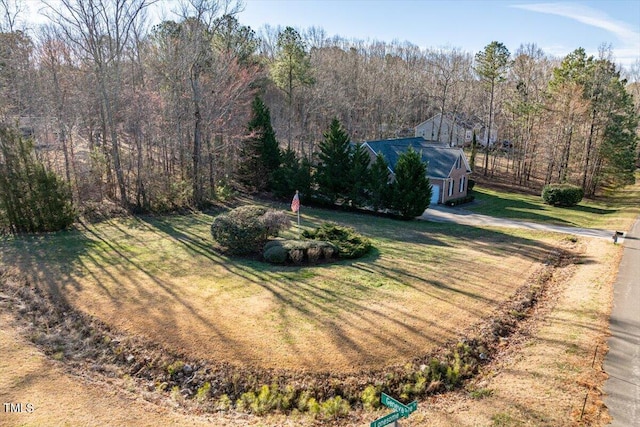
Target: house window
[458, 163]
[462, 184]
[451, 185]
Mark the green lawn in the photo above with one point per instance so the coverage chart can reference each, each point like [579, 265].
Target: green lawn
[615, 211]
[161, 277]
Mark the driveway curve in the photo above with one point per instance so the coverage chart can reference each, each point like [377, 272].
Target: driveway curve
[461, 216]
[622, 363]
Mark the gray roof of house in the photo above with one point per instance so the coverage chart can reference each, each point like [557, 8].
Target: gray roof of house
[439, 158]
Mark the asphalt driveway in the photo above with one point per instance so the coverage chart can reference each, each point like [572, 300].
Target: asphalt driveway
[461, 216]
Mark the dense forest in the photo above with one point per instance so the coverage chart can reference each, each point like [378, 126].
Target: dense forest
[157, 117]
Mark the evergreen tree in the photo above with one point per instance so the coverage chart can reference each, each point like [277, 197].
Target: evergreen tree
[474, 150]
[260, 155]
[594, 106]
[619, 146]
[359, 176]
[411, 189]
[293, 174]
[379, 186]
[333, 170]
[32, 199]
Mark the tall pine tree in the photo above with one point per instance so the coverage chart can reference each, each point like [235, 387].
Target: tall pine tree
[293, 174]
[260, 155]
[32, 198]
[332, 174]
[411, 189]
[379, 188]
[491, 66]
[359, 176]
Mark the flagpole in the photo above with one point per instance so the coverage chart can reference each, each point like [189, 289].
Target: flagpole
[298, 194]
[295, 205]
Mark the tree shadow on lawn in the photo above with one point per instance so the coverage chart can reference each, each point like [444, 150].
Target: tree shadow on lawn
[343, 308]
[55, 261]
[49, 258]
[504, 207]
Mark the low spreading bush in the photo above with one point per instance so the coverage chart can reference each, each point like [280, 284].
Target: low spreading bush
[460, 200]
[350, 243]
[245, 230]
[471, 184]
[562, 195]
[298, 251]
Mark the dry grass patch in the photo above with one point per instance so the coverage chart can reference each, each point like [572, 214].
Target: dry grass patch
[543, 377]
[161, 279]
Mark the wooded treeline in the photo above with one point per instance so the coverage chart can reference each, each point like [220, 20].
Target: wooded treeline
[155, 117]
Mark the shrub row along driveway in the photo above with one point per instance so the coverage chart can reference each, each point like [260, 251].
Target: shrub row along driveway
[461, 216]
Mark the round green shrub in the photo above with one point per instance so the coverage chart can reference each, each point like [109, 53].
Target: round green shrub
[275, 255]
[350, 244]
[245, 230]
[562, 195]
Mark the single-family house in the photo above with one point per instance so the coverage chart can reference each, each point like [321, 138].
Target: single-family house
[455, 130]
[447, 167]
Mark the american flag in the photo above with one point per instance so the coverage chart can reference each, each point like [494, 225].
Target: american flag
[295, 203]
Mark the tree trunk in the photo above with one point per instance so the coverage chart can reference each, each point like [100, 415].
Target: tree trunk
[486, 148]
[587, 153]
[197, 136]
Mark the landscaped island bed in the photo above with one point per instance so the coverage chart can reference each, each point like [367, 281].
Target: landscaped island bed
[161, 278]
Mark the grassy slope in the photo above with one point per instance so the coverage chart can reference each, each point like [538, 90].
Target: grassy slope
[159, 277]
[616, 211]
[562, 341]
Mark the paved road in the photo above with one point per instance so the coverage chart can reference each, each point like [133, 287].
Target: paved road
[461, 216]
[622, 363]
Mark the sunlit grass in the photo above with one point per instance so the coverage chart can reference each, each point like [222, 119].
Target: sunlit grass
[162, 276]
[614, 211]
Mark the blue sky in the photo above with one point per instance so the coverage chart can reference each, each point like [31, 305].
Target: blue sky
[556, 27]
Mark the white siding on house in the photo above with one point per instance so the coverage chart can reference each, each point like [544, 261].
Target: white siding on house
[450, 133]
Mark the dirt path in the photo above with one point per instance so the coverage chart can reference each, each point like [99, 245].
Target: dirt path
[623, 361]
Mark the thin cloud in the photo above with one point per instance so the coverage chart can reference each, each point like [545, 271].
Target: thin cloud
[587, 15]
[627, 34]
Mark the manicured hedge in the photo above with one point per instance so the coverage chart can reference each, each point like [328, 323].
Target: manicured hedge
[460, 200]
[562, 195]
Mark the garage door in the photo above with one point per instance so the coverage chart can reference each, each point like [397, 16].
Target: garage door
[435, 194]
